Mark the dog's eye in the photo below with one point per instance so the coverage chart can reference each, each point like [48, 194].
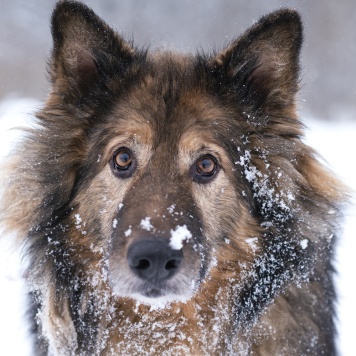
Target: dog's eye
[123, 162]
[123, 159]
[205, 169]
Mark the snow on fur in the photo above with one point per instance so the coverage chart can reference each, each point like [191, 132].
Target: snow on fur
[178, 236]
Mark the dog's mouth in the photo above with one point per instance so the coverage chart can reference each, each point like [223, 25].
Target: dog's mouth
[173, 290]
[153, 289]
[153, 293]
[157, 294]
[159, 298]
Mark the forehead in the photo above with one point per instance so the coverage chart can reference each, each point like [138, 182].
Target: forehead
[168, 103]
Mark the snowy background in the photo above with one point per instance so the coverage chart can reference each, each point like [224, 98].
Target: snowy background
[328, 102]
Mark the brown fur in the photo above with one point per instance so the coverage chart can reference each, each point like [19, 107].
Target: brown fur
[263, 227]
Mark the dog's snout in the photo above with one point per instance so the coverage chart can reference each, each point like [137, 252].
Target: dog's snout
[154, 260]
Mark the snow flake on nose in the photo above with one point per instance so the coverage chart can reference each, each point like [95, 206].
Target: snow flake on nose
[128, 231]
[145, 224]
[171, 208]
[180, 234]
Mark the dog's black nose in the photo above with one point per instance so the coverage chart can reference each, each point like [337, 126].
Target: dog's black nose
[154, 260]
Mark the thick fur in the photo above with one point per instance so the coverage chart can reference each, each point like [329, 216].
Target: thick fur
[257, 275]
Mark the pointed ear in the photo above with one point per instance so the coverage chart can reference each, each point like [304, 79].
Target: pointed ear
[263, 64]
[87, 53]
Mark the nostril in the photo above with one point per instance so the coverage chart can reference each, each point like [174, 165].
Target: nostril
[172, 265]
[143, 264]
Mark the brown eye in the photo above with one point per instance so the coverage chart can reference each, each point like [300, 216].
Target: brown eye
[206, 166]
[205, 169]
[123, 163]
[123, 159]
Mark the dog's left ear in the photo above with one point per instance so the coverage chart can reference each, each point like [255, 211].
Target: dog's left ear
[262, 65]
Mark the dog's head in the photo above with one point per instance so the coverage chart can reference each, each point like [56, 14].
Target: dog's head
[175, 170]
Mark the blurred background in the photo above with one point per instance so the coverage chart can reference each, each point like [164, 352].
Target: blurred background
[328, 59]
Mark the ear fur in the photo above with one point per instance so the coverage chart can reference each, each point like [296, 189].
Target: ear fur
[86, 51]
[263, 64]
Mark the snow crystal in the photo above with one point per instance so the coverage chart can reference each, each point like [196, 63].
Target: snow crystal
[304, 244]
[120, 206]
[78, 224]
[290, 196]
[252, 242]
[171, 208]
[128, 232]
[213, 262]
[146, 224]
[78, 219]
[180, 234]
[114, 223]
[96, 249]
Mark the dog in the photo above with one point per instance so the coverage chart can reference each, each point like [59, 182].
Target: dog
[167, 204]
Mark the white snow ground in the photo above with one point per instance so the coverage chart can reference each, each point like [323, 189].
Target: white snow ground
[335, 141]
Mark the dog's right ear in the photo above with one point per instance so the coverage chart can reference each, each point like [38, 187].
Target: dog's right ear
[86, 54]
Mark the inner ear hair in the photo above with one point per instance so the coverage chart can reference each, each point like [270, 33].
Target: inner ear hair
[82, 67]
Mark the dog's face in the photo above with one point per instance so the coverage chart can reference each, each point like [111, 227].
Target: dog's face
[171, 189]
[155, 148]
[167, 192]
